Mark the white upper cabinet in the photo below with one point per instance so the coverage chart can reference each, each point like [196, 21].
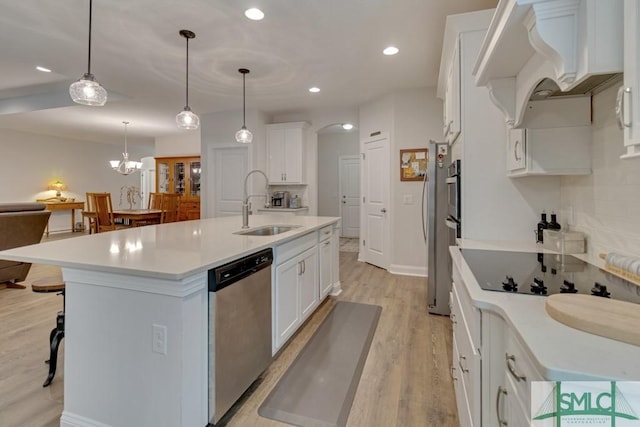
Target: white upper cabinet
[556, 139]
[628, 107]
[576, 43]
[451, 122]
[286, 152]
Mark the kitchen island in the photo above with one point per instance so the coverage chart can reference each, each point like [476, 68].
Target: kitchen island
[123, 285]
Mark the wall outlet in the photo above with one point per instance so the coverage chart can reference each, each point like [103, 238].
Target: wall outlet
[159, 339]
[407, 199]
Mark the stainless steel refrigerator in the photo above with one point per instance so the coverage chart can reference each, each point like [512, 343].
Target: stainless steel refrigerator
[437, 234]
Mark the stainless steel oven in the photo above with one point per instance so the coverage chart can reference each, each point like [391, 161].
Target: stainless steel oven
[454, 208]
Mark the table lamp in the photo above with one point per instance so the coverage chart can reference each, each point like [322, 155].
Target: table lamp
[58, 186]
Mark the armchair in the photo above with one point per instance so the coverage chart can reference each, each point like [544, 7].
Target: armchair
[21, 224]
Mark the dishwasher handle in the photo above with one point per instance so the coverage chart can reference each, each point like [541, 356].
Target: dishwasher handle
[228, 274]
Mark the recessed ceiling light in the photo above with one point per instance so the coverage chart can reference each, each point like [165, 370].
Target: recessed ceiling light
[391, 50]
[44, 70]
[347, 126]
[254, 14]
[314, 89]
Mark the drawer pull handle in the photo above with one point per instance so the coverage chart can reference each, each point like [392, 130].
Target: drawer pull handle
[511, 358]
[453, 369]
[501, 392]
[453, 318]
[462, 368]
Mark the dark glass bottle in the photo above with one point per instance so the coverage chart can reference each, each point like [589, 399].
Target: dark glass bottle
[542, 225]
[553, 224]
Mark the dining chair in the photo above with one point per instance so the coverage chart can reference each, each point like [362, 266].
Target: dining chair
[104, 212]
[91, 207]
[155, 201]
[170, 207]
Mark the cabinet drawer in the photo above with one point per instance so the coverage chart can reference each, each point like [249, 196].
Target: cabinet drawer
[325, 233]
[462, 403]
[295, 247]
[470, 314]
[468, 361]
[520, 369]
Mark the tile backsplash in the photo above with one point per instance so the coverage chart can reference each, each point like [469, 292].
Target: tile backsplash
[606, 204]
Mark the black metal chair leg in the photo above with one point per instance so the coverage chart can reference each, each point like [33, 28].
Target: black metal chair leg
[53, 358]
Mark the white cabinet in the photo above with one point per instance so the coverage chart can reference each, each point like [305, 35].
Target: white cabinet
[555, 139]
[286, 153]
[628, 107]
[296, 289]
[451, 108]
[554, 151]
[326, 257]
[466, 358]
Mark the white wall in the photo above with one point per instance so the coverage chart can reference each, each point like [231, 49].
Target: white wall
[331, 146]
[31, 161]
[606, 205]
[411, 117]
[185, 143]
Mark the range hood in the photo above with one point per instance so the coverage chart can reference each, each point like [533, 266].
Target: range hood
[538, 49]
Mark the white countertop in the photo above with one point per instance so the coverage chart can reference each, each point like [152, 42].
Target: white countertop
[169, 251]
[301, 208]
[560, 352]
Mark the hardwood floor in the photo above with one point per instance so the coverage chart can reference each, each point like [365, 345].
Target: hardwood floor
[405, 381]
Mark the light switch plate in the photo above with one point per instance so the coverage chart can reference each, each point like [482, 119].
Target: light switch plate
[407, 199]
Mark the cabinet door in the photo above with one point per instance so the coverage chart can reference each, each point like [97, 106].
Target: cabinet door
[516, 150]
[286, 308]
[194, 179]
[293, 156]
[628, 108]
[326, 262]
[179, 177]
[163, 179]
[275, 155]
[308, 282]
[453, 97]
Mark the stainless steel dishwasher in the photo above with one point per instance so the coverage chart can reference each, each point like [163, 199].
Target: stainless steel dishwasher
[239, 328]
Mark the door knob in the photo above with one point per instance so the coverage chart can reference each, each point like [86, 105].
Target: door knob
[383, 210]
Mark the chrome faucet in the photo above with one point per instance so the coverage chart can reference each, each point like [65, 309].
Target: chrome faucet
[245, 198]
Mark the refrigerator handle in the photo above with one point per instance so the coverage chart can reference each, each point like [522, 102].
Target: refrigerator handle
[424, 195]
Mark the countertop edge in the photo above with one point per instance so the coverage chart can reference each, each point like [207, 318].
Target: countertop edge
[545, 339]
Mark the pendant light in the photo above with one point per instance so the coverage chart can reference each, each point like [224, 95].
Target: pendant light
[244, 135]
[187, 119]
[87, 91]
[125, 166]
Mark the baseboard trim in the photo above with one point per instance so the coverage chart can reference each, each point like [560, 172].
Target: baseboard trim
[408, 270]
[69, 419]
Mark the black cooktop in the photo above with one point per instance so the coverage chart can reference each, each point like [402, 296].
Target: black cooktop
[541, 274]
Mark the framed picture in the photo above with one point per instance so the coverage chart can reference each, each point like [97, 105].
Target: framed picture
[413, 164]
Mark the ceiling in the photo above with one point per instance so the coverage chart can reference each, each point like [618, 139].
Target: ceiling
[139, 57]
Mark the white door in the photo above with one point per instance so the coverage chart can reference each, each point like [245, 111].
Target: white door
[230, 168]
[308, 282]
[350, 195]
[375, 191]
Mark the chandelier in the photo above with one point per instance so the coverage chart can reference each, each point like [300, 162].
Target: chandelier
[125, 166]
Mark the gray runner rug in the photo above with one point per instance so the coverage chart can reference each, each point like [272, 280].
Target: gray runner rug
[318, 388]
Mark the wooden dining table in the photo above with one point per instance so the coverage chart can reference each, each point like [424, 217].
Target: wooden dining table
[134, 216]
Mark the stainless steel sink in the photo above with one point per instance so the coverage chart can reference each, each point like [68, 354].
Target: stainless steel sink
[267, 230]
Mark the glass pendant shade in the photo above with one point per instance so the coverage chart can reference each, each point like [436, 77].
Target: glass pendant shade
[87, 91]
[125, 166]
[187, 119]
[244, 135]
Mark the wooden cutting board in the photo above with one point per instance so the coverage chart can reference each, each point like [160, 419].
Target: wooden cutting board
[609, 318]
